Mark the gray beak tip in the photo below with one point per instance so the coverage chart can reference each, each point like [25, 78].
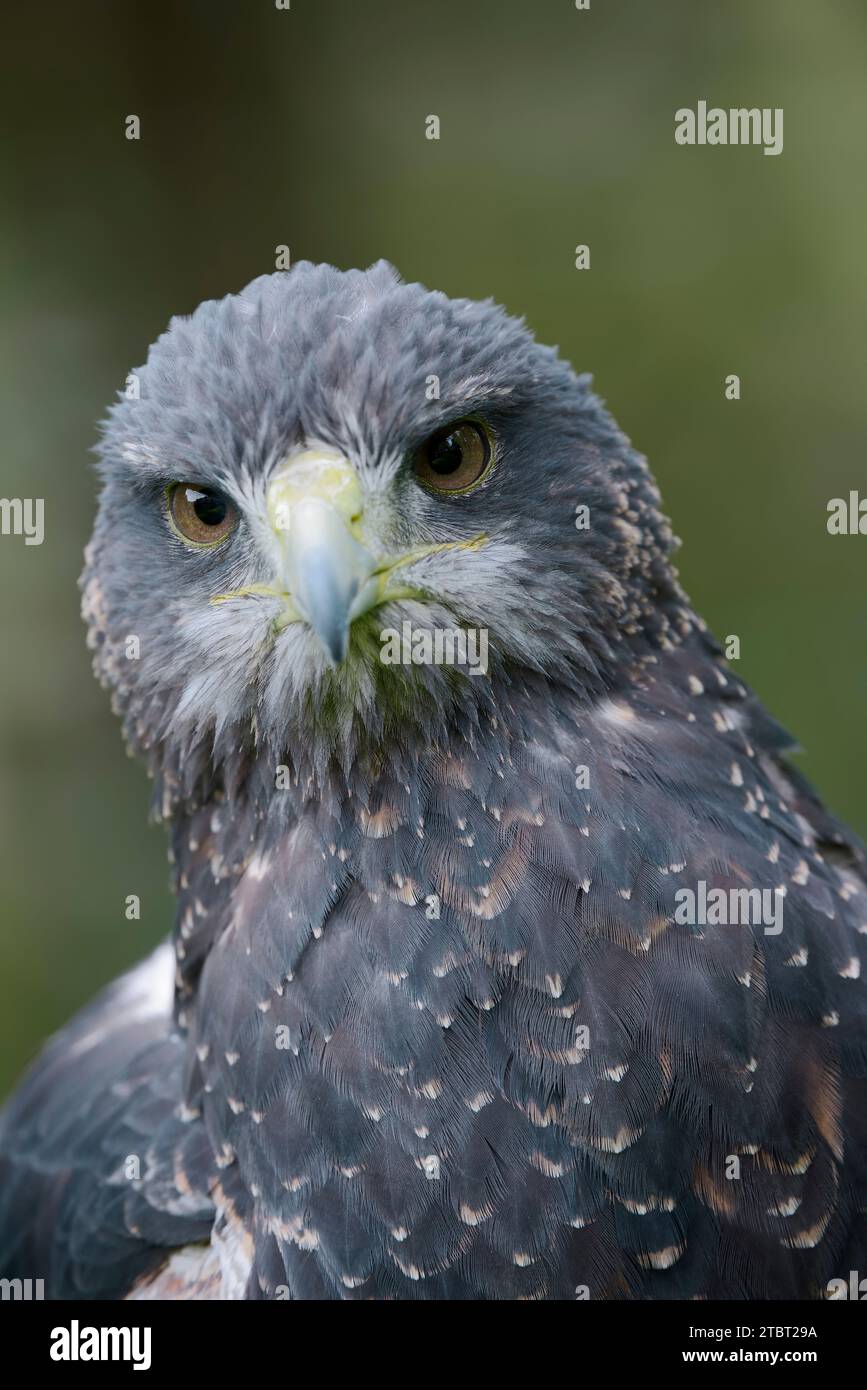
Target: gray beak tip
[336, 644]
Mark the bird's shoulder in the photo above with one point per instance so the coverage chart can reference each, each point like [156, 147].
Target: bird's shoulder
[100, 1164]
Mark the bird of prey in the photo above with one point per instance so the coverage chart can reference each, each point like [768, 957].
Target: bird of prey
[536, 979]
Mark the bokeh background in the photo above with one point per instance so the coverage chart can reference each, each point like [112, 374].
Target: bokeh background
[306, 127]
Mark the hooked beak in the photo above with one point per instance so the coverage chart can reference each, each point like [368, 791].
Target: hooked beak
[327, 575]
[314, 507]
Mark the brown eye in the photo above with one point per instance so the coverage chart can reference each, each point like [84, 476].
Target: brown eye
[455, 458]
[200, 516]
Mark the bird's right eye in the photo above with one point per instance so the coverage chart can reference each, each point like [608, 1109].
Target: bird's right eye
[200, 516]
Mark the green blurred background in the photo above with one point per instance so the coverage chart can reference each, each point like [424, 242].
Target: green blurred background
[306, 127]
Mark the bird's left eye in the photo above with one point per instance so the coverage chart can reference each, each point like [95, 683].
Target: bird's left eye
[455, 458]
[199, 516]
